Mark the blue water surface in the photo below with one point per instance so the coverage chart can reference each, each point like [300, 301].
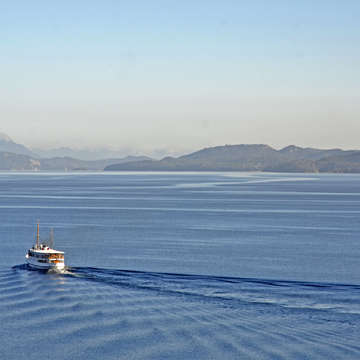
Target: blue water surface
[182, 266]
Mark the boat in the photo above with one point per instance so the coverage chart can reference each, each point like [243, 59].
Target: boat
[42, 255]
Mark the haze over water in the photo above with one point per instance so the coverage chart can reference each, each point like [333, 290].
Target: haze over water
[172, 77]
[182, 265]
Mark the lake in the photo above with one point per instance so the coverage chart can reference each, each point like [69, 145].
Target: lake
[182, 266]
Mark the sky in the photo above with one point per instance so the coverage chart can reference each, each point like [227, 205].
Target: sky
[180, 75]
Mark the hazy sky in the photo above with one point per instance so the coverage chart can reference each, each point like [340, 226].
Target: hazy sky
[153, 74]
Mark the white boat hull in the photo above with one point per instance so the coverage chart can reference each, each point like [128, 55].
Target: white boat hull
[44, 266]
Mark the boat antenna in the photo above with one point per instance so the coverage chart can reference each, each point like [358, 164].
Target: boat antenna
[37, 236]
[51, 238]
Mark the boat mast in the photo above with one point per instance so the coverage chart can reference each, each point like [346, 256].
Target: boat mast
[37, 236]
[51, 238]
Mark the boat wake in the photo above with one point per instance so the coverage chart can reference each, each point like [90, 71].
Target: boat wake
[121, 314]
[230, 290]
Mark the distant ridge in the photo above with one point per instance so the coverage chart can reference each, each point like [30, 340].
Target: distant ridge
[18, 162]
[243, 157]
[8, 145]
[296, 152]
[85, 154]
[17, 157]
[253, 157]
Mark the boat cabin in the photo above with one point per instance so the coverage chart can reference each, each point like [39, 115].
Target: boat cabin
[46, 255]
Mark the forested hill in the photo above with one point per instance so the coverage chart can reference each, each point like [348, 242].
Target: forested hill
[257, 157]
[220, 158]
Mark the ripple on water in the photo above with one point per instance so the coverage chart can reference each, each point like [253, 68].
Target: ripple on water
[114, 314]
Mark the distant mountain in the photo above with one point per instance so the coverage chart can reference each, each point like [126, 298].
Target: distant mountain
[349, 162]
[8, 145]
[244, 157]
[85, 154]
[18, 162]
[18, 157]
[220, 158]
[69, 164]
[256, 157]
[253, 158]
[298, 153]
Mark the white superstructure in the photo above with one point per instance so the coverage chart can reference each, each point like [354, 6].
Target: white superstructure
[42, 256]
